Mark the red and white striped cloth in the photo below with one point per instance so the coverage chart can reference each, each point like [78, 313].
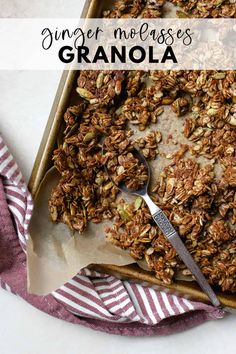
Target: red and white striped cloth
[91, 294]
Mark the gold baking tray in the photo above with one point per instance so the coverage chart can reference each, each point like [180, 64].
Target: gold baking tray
[64, 98]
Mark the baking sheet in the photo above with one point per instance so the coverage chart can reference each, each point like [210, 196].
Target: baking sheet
[64, 98]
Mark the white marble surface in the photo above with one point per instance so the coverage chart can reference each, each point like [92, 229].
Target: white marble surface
[25, 102]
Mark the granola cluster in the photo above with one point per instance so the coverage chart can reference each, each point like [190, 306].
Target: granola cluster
[122, 163]
[155, 8]
[204, 9]
[135, 8]
[196, 188]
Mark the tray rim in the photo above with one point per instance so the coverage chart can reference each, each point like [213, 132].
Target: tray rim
[40, 167]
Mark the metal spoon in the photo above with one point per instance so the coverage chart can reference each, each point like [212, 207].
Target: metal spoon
[169, 231]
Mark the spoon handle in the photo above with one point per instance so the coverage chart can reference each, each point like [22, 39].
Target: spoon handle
[170, 233]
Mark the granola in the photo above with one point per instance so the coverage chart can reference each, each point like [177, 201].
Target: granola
[197, 187]
[121, 162]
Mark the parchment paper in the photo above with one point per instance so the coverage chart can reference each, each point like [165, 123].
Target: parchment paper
[55, 254]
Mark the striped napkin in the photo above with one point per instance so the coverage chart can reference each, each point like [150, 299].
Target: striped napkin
[92, 299]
